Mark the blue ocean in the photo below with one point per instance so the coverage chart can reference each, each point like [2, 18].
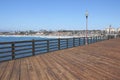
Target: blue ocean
[11, 39]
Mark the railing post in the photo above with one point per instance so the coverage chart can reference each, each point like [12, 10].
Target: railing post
[67, 43]
[58, 43]
[79, 41]
[88, 40]
[73, 42]
[100, 38]
[84, 40]
[13, 50]
[96, 38]
[47, 45]
[33, 47]
[91, 39]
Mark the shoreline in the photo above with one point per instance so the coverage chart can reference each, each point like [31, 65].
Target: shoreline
[49, 36]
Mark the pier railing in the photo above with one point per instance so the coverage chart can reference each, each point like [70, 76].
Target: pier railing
[19, 49]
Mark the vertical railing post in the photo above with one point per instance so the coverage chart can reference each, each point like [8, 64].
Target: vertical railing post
[33, 47]
[58, 43]
[96, 38]
[100, 38]
[13, 50]
[67, 43]
[79, 41]
[87, 40]
[90, 40]
[73, 42]
[48, 45]
[84, 40]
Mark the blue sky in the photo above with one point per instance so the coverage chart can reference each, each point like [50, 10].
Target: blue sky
[58, 14]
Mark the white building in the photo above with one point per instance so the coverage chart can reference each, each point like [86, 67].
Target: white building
[110, 30]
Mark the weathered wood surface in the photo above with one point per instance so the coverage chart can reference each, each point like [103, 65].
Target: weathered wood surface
[98, 61]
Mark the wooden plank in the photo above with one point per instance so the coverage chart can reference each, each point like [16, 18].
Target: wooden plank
[3, 66]
[23, 70]
[60, 71]
[49, 70]
[15, 75]
[38, 68]
[44, 75]
[93, 71]
[31, 70]
[98, 61]
[8, 71]
[76, 71]
[111, 69]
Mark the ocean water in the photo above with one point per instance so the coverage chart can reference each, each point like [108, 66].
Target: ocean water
[11, 39]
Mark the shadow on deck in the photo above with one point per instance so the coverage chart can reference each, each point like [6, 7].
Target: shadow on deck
[98, 61]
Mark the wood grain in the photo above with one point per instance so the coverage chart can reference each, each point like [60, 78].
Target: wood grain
[98, 61]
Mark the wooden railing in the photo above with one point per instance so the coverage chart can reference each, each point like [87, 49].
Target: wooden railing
[19, 49]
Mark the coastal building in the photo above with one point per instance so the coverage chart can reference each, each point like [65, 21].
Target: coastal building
[110, 30]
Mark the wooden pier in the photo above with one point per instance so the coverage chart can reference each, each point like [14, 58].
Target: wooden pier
[97, 61]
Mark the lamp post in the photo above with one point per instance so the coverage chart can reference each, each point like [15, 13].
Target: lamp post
[86, 14]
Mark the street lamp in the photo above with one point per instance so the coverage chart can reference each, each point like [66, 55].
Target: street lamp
[86, 14]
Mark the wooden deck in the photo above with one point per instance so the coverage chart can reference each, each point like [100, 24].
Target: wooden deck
[98, 61]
